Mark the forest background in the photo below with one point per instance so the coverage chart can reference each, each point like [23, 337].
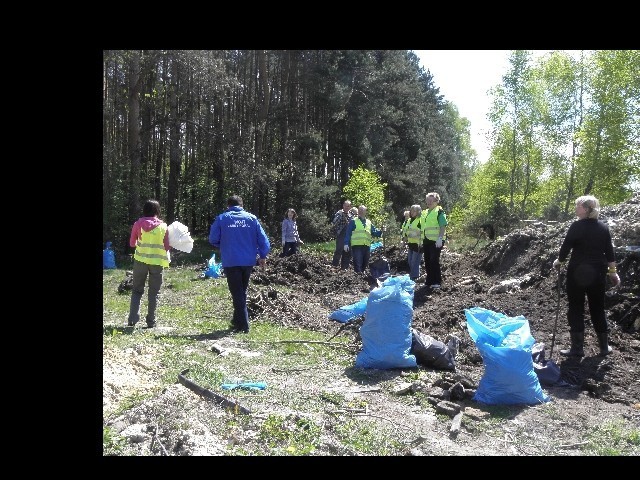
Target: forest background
[305, 128]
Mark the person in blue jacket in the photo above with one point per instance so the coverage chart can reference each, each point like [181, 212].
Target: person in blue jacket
[240, 238]
[360, 233]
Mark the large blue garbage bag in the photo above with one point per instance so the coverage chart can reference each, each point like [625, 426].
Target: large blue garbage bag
[349, 312]
[386, 331]
[108, 257]
[505, 345]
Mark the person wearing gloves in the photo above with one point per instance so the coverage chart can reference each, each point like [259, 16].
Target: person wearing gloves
[360, 232]
[150, 238]
[592, 259]
[434, 224]
[240, 237]
[290, 236]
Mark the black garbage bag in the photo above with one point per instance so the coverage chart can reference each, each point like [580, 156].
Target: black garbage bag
[548, 371]
[430, 352]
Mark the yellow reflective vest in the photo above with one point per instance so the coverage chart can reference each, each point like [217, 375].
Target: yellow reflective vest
[431, 225]
[361, 235]
[150, 248]
[413, 230]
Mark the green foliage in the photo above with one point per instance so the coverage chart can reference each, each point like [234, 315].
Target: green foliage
[365, 188]
[112, 443]
[314, 226]
[326, 247]
[561, 128]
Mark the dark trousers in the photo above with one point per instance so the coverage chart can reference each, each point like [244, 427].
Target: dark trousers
[361, 255]
[238, 282]
[589, 280]
[340, 257]
[289, 249]
[432, 262]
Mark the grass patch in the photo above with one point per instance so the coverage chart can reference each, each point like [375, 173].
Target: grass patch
[368, 438]
[612, 439]
[290, 435]
[112, 443]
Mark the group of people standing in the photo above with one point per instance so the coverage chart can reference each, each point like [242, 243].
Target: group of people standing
[425, 233]
[241, 239]
[354, 235]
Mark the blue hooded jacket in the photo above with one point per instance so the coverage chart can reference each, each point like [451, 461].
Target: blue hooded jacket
[240, 237]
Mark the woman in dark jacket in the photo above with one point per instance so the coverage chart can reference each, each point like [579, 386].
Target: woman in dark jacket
[592, 259]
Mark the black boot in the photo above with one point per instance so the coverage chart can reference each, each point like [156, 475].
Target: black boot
[603, 340]
[577, 345]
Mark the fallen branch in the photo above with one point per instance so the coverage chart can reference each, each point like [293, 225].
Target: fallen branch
[288, 370]
[382, 418]
[316, 342]
[348, 410]
[222, 401]
[156, 438]
[571, 445]
[365, 390]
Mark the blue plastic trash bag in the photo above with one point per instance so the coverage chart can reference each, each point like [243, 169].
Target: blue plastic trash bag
[108, 257]
[214, 270]
[374, 245]
[386, 331]
[244, 385]
[505, 345]
[349, 312]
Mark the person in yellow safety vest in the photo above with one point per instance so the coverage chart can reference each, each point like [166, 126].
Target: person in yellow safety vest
[403, 228]
[150, 238]
[412, 234]
[434, 235]
[358, 239]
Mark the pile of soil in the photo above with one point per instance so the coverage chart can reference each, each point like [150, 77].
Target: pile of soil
[512, 275]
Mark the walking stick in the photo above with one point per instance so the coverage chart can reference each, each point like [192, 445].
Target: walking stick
[555, 325]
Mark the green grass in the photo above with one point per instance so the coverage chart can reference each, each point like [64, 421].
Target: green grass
[290, 435]
[613, 439]
[112, 443]
[367, 438]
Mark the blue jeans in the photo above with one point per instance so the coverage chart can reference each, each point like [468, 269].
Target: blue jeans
[414, 259]
[238, 282]
[360, 257]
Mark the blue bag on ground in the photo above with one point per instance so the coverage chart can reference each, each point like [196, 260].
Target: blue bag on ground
[108, 257]
[505, 345]
[386, 331]
[374, 245]
[344, 314]
[214, 270]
